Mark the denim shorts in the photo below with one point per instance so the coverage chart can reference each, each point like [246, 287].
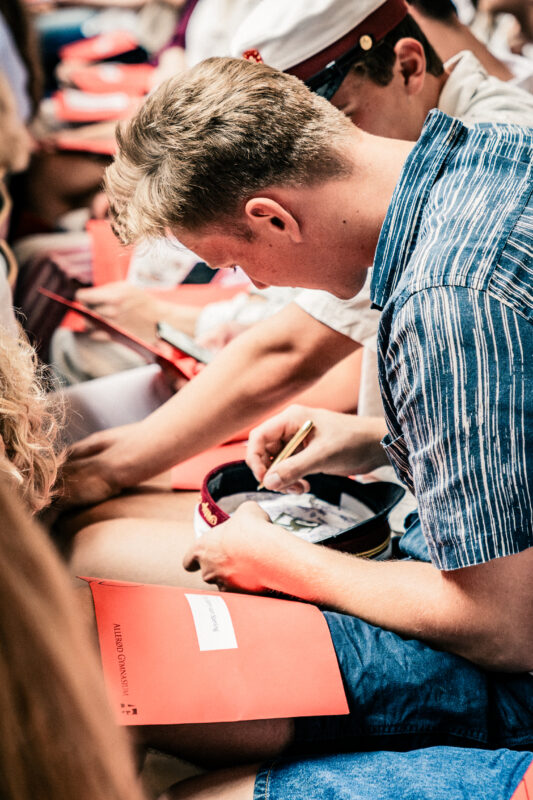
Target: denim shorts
[438, 773]
[404, 695]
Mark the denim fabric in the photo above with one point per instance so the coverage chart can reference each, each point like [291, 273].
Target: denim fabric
[404, 695]
[438, 773]
[412, 543]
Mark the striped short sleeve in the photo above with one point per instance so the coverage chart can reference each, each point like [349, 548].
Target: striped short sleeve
[459, 367]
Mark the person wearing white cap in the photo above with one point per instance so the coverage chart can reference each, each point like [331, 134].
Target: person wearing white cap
[245, 165]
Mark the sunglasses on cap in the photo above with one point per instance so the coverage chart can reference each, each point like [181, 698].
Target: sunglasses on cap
[327, 82]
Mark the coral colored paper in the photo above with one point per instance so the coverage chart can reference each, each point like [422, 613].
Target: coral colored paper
[191, 473]
[104, 147]
[276, 657]
[165, 354]
[111, 259]
[97, 48]
[134, 79]
[524, 790]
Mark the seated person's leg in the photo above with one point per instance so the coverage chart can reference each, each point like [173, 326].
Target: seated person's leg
[438, 773]
[143, 502]
[402, 695]
[139, 550]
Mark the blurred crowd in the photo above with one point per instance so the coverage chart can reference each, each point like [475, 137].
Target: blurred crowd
[88, 427]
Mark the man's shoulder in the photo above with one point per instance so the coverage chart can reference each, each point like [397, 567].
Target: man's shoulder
[477, 224]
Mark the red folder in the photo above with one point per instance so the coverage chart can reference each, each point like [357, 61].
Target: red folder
[162, 352]
[134, 79]
[110, 262]
[524, 790]
[173, 655]
[111, 259]
[190, 474]
[104, 147]
[97, 48]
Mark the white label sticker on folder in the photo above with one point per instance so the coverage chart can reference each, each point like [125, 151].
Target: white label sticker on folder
[212, 620]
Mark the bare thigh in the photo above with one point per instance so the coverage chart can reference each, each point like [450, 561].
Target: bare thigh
[144, 501]
[140, 550]
[228, 784]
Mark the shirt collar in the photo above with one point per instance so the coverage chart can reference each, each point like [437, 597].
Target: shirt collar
[401, 226]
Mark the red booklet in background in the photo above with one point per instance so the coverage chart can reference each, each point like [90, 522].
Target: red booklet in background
[104, 147]
[173, 655]
[71, 105]
[111, 259]
[134, 79]
[162, 352]
[98, 48]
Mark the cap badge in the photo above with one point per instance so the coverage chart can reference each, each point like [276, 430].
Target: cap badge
[365, 42]
[253, 55]
[209, 517]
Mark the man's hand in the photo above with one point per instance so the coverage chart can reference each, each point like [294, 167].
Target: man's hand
[126, 305]
[97, 467]
[246, 553]
[339, 444]
[218, 337]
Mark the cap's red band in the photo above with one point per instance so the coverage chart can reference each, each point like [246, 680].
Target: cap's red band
[208, 509]
[253, 55]
[377, 25]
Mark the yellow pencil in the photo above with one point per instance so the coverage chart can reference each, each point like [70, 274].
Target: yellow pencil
[291, 445]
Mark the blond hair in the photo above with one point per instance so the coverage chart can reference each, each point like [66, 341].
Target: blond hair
[28, 422]
[15, 142]
[207, 140]
[59, 739]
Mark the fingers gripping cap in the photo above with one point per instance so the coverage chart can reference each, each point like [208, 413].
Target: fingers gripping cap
[316, 40]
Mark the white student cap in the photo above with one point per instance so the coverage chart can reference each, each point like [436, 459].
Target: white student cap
[316, 40]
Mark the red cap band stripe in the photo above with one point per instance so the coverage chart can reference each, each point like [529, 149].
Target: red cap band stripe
[377, 25]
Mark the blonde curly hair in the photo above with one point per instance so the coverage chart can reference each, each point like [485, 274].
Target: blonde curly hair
[29, 422]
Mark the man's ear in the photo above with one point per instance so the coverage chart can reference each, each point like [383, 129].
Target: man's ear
[266, 216]
[411, 61]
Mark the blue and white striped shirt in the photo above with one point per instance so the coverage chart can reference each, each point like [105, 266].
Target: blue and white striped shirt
[453, 273]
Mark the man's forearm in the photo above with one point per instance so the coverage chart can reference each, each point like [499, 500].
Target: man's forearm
[252, 376]
[410, 598]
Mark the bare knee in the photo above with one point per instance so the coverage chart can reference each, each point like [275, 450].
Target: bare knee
[139, 550]
[228, 784]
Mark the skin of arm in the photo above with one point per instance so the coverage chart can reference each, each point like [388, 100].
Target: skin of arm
[254, 374]
[482, 613]
[451, 36]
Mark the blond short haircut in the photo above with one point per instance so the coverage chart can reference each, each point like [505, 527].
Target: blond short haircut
[207, 140]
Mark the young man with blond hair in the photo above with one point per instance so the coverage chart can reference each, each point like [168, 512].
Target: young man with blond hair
[244, 165]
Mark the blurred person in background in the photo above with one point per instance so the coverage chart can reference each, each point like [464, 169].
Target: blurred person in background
[59, 738]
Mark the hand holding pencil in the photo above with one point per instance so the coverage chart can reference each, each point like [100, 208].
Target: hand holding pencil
[293, 443]
[301, 441]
